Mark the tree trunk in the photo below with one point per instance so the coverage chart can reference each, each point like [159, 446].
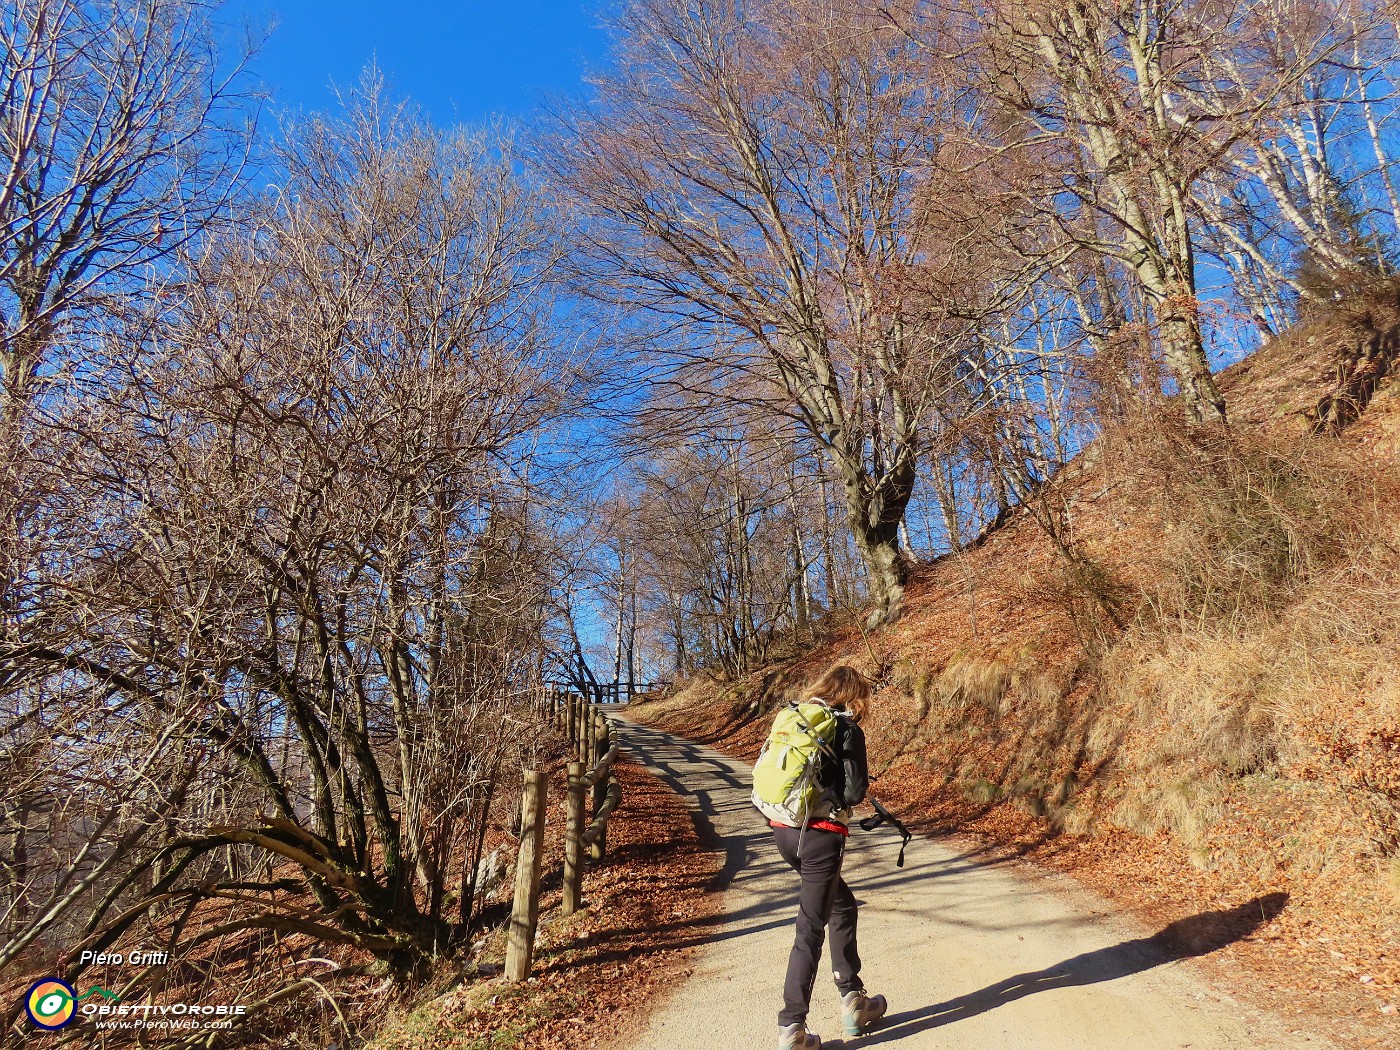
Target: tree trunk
[875, 511]
[885, 569]
[1185, 355]
[678, 634]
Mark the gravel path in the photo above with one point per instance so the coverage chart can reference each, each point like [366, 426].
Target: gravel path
[971, 953]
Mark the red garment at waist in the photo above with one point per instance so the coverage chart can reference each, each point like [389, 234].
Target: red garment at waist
[819, 825]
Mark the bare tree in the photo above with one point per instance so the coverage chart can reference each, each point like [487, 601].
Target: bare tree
[318, 574]
[1133, 107]
[123, 139]
[1306, 210]
[725, 540]
[749, 172]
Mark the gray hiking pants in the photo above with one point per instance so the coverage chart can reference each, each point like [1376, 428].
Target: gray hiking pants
[824, 900]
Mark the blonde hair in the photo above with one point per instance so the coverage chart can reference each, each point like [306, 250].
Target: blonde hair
[844, 689]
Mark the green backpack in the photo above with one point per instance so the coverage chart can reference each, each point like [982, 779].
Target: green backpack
[786, 779]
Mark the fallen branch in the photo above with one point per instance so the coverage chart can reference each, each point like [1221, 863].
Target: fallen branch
[304, 984]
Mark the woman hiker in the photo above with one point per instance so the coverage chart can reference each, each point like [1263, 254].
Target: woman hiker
[814, 846]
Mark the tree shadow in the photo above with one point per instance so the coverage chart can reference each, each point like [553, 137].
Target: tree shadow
[675, 762]
[1187, 938]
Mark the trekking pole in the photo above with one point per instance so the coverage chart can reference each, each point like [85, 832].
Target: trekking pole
[884, 816]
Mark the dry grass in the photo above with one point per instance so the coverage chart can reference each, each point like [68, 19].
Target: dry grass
[1271, 609]
[1238, 731]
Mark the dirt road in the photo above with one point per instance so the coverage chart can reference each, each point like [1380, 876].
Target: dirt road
[970, 953]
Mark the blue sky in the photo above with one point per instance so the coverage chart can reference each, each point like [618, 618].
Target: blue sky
[462, 62]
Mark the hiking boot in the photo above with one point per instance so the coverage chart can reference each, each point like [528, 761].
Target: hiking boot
[796, 1037]
[860, 1011]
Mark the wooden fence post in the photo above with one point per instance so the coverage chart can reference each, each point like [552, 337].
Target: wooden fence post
[601, 785]
[570, 711]
[524, 916]
[600, 736]
[573, 840]
[579, 709]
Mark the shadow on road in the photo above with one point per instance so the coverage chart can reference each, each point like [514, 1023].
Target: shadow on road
[734, 828]
[1197, 935]
[724, 821]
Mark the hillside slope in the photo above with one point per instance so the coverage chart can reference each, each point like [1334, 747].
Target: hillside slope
[1174, 675]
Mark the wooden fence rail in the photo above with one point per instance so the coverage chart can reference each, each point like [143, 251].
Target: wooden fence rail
[620, 692]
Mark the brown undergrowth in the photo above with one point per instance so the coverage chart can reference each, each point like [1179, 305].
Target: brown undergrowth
[1199, 708]
[596, 970]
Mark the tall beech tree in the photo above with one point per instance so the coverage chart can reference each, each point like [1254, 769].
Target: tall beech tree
[749, 171]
